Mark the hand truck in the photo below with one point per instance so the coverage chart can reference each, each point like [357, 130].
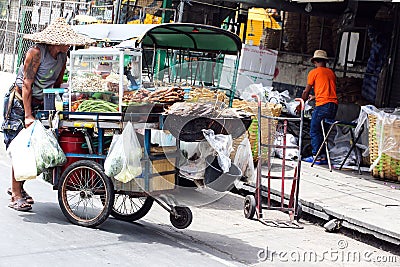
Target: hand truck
[253, 204]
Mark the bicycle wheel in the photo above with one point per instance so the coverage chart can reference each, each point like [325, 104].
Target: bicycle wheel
[128, 208]
[85, 193]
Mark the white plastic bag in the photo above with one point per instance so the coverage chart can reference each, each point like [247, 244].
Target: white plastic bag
[244, 160]
[195, 169]
[222, 144]
[48, 152]
[23, 155]
[253, 89]
[290, 153]
[114, 160]
[123, 159]
[341, 148]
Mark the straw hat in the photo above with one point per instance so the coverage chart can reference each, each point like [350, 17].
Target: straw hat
[319, 54]
[59, 33]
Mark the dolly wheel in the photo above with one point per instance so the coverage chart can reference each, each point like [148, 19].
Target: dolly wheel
[249, 206]
[299, 212]
[183, 218]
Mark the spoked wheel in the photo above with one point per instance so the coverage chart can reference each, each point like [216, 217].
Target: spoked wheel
[183, 218]
[249, 207]
[128, 208]
[85, 193]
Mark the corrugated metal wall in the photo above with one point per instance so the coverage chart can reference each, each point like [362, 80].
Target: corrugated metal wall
[28, 16]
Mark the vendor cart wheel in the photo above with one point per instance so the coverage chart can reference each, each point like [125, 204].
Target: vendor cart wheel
[85, 193]
[128, 208]
[249, 207]
[183, 218]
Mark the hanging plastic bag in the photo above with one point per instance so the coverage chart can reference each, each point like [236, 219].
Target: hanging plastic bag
[48, 152]
[123, 159]
[222, 144]
[244, 160]
[114, 161]
[23, 155]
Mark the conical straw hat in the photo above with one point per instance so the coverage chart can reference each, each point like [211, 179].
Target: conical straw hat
[59, 33]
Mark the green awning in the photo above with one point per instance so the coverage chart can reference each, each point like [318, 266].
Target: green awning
[193, 37]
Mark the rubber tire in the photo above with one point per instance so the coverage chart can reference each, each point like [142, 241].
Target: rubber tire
[299, 212]
[185, 218]
[140, 213]
[249, 206]
[109, 189]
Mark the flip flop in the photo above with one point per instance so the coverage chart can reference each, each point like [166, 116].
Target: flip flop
[24, 194]
[20, 205]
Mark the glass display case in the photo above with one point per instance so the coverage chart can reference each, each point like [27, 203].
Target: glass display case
[98, 79]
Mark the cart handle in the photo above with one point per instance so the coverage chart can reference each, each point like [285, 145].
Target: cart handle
[256, 97]
[296, 99]
[301, 103]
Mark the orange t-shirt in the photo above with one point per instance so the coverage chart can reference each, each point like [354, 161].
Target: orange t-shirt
[324, 82]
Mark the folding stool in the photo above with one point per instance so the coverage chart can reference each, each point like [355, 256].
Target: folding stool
[353, 141]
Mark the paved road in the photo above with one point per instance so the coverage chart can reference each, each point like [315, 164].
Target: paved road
[218, 236]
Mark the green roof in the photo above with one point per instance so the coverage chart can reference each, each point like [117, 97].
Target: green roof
[193, 37]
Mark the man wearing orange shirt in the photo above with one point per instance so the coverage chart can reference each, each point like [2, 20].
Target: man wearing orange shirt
[323, 80]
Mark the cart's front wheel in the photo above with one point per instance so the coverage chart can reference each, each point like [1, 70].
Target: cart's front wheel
[85, 193]
[183, 217]
[249, 207]
[128, 208]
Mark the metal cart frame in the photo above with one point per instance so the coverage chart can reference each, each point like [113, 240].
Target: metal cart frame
[253, 204]
[87, 181]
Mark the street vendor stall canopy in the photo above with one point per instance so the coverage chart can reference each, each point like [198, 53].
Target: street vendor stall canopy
[113, 32]
[193, 37]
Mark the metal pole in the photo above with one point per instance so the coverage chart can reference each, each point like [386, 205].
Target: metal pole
[234, 80]
[5, 33]
[117, 11]
[181, 6]
[16, 33]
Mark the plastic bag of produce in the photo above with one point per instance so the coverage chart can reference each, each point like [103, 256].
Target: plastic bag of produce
[48, 152]
[123, 159]
[23, 155]
[114, 161]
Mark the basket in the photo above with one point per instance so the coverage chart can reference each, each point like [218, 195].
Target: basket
[270, 38]
[268, 126]
[387, 167]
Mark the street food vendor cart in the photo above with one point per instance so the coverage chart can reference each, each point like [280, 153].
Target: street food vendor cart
[105, 94]
[99, 80]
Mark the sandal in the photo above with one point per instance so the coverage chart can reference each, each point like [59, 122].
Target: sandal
[20, 205]
[24, 194]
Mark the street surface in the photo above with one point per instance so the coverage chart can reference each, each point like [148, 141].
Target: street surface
[218, 236]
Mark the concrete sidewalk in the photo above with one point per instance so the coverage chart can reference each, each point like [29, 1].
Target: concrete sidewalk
[361, 202]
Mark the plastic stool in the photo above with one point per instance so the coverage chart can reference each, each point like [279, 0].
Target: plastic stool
[351, 126]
